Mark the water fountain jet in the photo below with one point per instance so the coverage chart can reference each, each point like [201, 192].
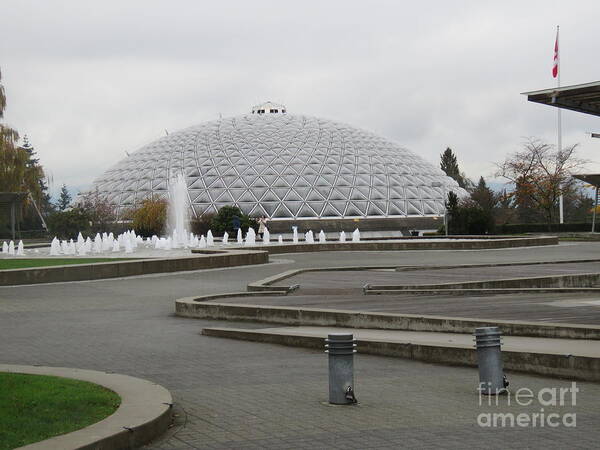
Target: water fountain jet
[178, 210]
[322, 238]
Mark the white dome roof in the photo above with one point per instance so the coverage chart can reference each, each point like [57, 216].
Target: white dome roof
[283, 166]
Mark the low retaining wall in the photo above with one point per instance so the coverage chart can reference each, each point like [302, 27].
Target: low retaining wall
[96, 271]
[409, 244]
[266, 284]
[349, 225]
[367, 290]
[583, 280]
[199, 307]
[547, 364]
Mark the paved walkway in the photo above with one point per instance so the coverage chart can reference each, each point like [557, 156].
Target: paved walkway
[233, 394]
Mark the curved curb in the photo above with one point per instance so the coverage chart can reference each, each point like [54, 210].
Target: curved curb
[266, 284]
[184, 307]
[143, 415]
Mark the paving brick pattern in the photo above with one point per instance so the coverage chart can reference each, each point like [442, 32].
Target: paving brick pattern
[232, 394]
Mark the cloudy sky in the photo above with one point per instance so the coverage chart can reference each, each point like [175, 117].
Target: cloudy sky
[88, 80]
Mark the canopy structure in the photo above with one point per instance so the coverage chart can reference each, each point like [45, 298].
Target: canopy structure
[584, 98]
[11, 201]
[590, 178]
[594, 180]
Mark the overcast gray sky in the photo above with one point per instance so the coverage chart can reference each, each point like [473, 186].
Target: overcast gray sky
[89, 80]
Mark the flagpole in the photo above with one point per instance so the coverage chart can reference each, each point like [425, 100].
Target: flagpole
[559, 123]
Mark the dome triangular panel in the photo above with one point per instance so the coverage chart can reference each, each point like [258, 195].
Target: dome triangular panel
[376, 209]
[269, 196]
[282, 212]
[354, 209]
[306, 211]
[293, 196]
[330, 211]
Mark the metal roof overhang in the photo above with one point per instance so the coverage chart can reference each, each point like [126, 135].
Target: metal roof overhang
[591, 178]
[8, 198]
[584, 98]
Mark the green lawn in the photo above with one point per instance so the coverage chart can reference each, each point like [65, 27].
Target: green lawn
[6, 263]
[35, 407]
[579, 239]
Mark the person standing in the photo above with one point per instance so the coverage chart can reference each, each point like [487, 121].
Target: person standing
[235, 223]
[262, 225]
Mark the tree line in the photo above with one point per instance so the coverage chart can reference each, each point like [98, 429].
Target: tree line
[536, 176]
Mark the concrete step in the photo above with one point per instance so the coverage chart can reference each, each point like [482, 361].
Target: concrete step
[205, 307]
[571, 358]
[577, 347]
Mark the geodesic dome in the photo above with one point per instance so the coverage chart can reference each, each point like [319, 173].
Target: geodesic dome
[283, 166]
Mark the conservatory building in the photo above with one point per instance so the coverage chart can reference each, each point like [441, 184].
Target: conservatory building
[287, 167]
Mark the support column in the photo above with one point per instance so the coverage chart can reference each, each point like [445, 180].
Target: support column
[594, 213]
[12, 220]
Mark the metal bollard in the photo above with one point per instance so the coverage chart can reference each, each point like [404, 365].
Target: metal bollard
[341, 349]
[492, 380]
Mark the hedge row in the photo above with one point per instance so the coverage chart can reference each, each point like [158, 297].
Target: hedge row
[518, 228]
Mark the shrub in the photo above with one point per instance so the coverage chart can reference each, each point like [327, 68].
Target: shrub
[468, 217]
[223, 221]
[202, 224]
[517, 228]
[249, 222]
[150, 218]
[100, 211]
[66, 224]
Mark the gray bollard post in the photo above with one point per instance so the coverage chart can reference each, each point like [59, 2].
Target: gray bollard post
[341, 349]
[489, 359]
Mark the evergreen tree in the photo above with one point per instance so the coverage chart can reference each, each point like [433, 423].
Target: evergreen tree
[449, 165]
[40, 194]
[506, 211]
[467, 216]
[64, 201]
[451, 205]
[32, 161]
[578, 204]
[484, 196]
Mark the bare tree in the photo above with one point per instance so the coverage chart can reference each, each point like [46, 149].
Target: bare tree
[541, 174]
[101, 212]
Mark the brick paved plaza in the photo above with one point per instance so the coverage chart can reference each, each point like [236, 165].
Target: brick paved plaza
[235, 394]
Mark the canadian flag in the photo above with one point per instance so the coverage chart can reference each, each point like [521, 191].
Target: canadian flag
[555, 66]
